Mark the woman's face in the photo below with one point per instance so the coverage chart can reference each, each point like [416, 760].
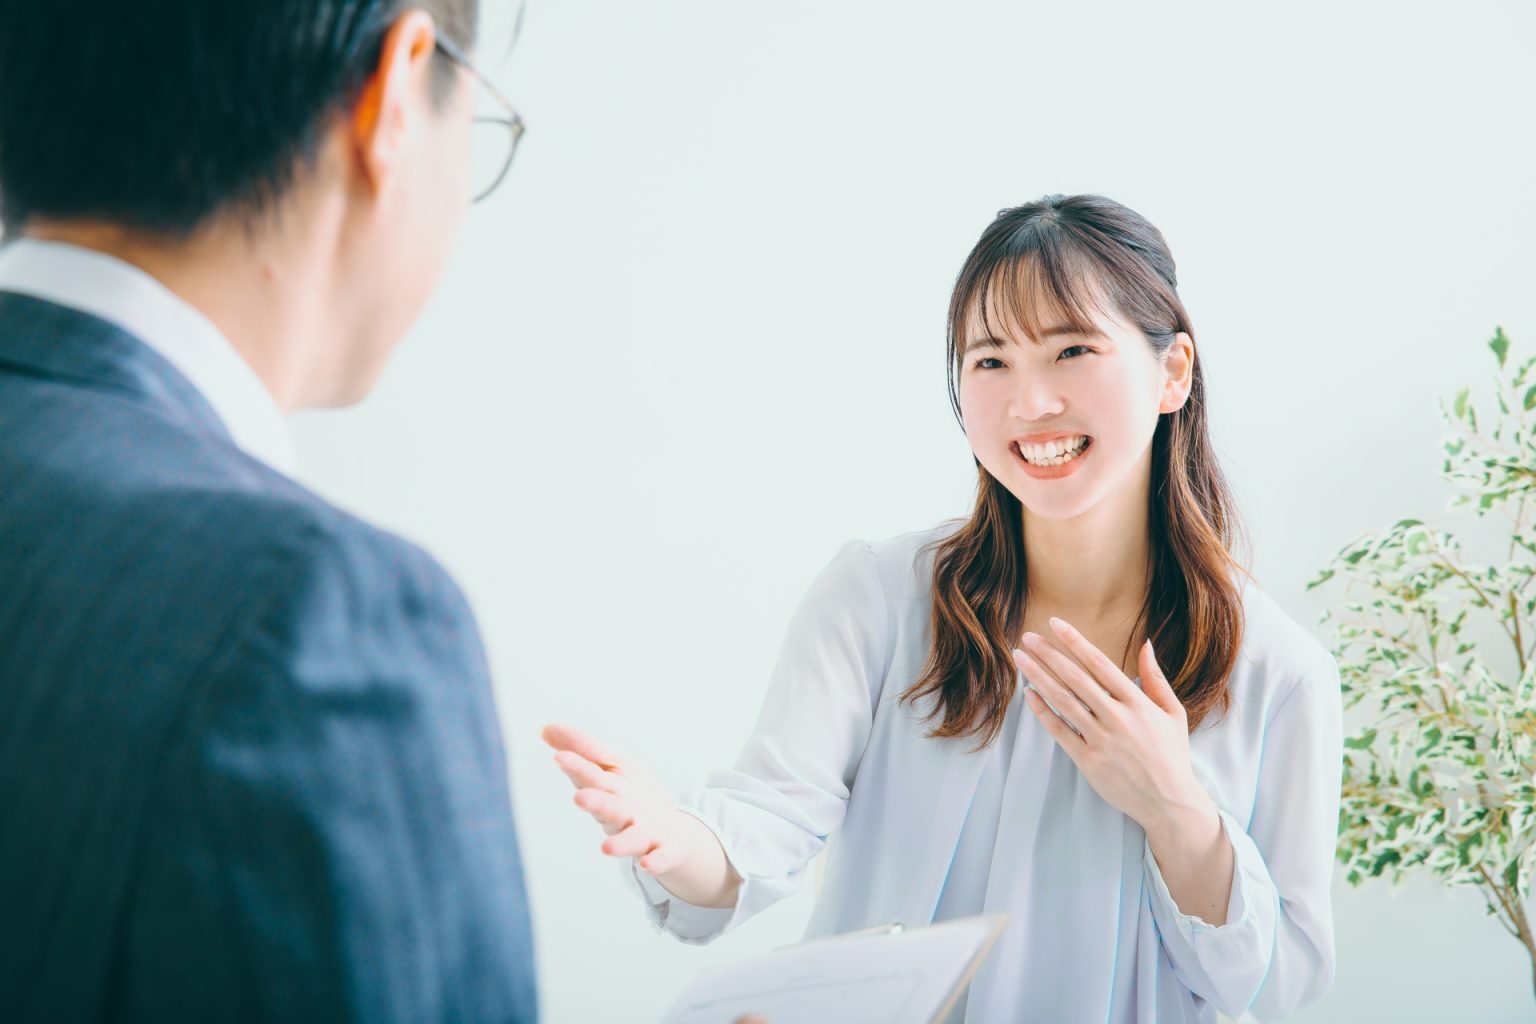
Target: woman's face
[1017, 395]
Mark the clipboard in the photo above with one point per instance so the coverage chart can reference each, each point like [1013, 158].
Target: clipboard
[884, 975]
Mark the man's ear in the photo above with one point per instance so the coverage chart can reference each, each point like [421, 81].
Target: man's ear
[1180, 365]
[394, 98]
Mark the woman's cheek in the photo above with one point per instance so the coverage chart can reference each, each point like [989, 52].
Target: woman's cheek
[989, 450]
[976, 410]
[976, 432]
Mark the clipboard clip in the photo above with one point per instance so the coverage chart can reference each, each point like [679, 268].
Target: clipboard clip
[892, 928]
[880, 929]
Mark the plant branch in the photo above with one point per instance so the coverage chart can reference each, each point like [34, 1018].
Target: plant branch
[1516, 925]
[1487, 601]
[1514, 618]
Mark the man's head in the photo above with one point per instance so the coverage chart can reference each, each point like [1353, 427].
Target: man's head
[324, 140]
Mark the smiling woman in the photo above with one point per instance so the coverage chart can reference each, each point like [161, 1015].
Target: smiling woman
[1067, 309]
[1159, 827]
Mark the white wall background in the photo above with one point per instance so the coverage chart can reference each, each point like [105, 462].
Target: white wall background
[695, 343]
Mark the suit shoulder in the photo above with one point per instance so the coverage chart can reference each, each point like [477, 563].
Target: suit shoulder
[312, 537]
[285, 564]
[348, 609]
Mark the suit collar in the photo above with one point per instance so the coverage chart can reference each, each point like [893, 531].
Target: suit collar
[43, 339]
[138, 304]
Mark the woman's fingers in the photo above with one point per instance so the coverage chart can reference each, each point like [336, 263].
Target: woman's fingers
[614, 797]
[1063, 700]
[564, 737]
[1098, 664]
[634, 841]
[1060, 731]
[584, 774]
[1071, 676]
[610, 812]
[661, 859]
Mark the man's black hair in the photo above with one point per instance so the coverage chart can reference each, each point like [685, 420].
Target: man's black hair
[157, 114]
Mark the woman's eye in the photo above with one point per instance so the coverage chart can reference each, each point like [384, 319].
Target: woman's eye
[981, 364]
[1074, 348]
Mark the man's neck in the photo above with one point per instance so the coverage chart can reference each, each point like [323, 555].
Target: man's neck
[228, 276]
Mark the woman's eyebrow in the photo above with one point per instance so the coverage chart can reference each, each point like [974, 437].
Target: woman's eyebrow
[1049, 332]
[1064, 330]
[1068, 329]
[987, 342]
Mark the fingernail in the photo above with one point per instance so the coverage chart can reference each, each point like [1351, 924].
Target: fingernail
[1057, 624]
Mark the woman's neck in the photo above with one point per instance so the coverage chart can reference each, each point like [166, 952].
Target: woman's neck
[1095, 568]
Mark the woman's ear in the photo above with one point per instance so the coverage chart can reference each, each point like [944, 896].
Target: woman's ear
[1179, 364]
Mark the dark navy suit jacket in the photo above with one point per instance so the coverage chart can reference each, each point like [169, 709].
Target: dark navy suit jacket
[250, 768]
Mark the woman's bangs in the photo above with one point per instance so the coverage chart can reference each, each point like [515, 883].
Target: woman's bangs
[1031, 294]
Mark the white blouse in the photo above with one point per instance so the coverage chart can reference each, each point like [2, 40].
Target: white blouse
[919, 829]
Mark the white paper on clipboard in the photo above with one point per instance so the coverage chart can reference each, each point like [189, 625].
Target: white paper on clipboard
[879, 976]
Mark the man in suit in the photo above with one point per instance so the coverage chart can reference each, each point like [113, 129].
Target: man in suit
[250, 766]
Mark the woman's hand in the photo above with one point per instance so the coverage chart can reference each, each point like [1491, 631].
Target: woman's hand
[643, 821]
[1132, 745]
[1133, 748]
[634, 809]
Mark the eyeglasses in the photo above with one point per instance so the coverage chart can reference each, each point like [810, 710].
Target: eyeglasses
[494, 134]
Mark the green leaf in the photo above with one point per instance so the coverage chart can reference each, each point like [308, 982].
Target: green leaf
[1500, 345]
[1530, 398]
[1460, 407]
[1382, 860]
[1361, 741]
[1431, 738]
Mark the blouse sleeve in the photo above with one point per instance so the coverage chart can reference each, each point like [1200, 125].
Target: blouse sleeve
[788, 792]
[1274, 952]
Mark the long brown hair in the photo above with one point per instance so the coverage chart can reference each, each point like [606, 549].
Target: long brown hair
[1077, 253]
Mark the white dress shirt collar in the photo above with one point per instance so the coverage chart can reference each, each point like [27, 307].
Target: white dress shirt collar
[123, 295]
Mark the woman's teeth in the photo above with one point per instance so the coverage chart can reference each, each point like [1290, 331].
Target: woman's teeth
[1052, 453]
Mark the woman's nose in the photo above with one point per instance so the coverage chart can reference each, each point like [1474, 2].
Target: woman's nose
[1035, 399]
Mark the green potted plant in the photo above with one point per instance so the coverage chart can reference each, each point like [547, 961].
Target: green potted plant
[1436, 652]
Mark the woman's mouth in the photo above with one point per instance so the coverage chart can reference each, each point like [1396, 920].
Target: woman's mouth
[1052, 462]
